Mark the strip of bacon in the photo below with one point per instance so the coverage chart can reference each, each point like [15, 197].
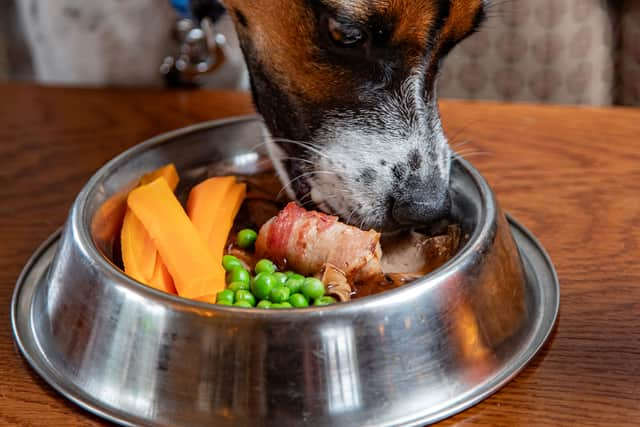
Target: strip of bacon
[307, 240]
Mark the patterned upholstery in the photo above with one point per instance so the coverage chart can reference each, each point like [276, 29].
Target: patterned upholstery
[4, 47]
[557, 51]
[629, 59]
[4, 59]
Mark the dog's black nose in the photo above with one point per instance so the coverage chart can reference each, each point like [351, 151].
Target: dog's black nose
[422, 202]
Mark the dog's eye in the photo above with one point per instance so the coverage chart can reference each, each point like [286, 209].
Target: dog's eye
[345, 35]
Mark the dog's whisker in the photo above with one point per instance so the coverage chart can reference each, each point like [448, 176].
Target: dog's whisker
[362, 223]
[307, 145]
[255, 147]
[466, 155]
[304, 203]
[470, 151]
[307, 195]
[304, 175]
[324, 202]
[353, 211]
[455, 146]
[462, 129]
[328, 197]
[297, 159]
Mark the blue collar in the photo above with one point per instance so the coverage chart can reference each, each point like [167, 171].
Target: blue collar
[182, 7]
[198, 9]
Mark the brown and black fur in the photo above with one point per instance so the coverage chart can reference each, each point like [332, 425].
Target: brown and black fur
[309, 89]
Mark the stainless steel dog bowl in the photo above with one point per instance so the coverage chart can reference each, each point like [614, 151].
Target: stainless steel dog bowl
[408, 356]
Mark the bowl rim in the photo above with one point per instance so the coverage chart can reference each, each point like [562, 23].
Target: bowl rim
[80, 220]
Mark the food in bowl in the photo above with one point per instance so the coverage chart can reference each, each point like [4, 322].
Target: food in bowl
[235, 242]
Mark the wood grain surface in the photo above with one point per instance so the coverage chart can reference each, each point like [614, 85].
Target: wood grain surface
[571, 175]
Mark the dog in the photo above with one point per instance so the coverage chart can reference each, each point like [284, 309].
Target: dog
[347, 88]
[348, 93]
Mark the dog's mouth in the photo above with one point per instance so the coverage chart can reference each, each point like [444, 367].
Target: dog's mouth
[344, 186]
[307, 182]
[309, 193]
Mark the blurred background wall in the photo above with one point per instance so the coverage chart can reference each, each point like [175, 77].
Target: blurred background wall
[560, 51]
[629, 54]
[15, 57]
[556, 51]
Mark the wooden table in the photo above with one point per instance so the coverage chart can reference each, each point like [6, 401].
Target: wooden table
[572, 175]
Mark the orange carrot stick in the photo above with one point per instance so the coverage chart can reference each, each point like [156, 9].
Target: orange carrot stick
[212, 206]
[161, 278]
[168, 172]
[183, 250]
[139, 254]
[138, 250]
[204, 201]
[224, 218]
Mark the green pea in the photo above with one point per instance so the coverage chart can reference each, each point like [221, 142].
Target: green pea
[312, 288]
[247, 296]
[244, 304]
[279, 294]
[265, 266]
[229, 262]
[289, 273]
[237, 286]
[298, 301]
[327, 300]
[246, 238]
[239, 274]
[264, 304]
[225, 295]
[223, 302]
[262, 285]
[295, 283]
[280, 278]
[281, 305]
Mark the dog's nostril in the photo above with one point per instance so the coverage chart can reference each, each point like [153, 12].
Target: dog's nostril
[421, 208]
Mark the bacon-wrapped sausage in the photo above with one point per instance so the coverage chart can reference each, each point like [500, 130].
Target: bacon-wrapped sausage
[305, 241]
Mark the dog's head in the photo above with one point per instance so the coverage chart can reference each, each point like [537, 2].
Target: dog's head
[347, 90]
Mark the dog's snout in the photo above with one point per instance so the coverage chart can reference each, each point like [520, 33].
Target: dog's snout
[421, 202]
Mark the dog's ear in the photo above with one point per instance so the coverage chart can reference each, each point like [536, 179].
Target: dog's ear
[461, 19]
[235, 10]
